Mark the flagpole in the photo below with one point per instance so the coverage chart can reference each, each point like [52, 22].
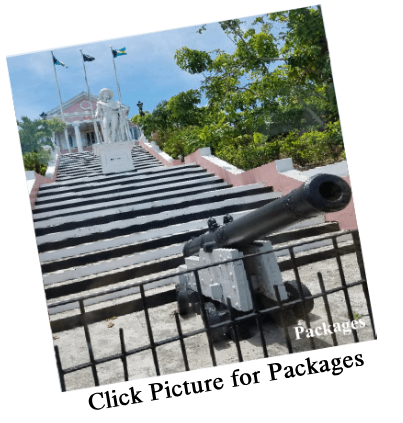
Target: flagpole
[89, 99]
[60, 103]
[120, 96]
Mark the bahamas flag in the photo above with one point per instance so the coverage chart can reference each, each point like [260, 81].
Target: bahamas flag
[120, 52]
[58, 62]
[88, 58]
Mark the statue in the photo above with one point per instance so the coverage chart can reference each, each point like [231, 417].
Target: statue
[113, 115]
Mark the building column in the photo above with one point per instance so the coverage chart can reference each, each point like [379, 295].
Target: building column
[78, 136]
[56, 149]
[66, 135]
[129, 134]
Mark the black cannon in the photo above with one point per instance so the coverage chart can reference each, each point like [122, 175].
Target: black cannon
[322, 193]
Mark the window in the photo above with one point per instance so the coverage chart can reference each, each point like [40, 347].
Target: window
[90, 138]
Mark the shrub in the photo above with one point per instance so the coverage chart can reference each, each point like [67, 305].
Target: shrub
[37, 161]
[314, 148]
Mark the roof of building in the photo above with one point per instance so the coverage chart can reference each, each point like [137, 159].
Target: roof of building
[73, 100]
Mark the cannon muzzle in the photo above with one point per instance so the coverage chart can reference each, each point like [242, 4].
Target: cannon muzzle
[322, 193]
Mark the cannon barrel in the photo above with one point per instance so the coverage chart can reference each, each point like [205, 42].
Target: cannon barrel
[322, 193]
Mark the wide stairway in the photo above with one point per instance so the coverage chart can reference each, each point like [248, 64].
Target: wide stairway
[79, 165]
[96, 232]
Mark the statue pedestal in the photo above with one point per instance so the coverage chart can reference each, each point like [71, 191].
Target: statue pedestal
[115, 157]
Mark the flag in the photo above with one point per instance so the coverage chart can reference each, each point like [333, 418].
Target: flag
[120, 52]
[58, 62]
[88, 58]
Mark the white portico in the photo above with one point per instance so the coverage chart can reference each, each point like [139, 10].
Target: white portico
[80, 126]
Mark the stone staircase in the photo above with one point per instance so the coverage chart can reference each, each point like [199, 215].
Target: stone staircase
[78, 165]
[96, 232]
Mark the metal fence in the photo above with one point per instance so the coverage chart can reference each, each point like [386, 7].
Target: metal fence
[255, 317]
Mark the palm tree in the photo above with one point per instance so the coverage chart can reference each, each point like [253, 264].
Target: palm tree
[33, 134]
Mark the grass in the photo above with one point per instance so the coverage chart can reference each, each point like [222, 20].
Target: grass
[356, 316]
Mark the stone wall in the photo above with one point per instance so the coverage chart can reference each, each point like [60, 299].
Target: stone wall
[279, 174]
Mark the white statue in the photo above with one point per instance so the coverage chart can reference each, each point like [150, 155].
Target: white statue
[113, 115]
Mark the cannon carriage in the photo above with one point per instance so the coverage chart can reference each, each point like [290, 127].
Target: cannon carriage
[240, 270]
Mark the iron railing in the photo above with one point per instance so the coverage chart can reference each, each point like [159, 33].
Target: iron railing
[255, 316]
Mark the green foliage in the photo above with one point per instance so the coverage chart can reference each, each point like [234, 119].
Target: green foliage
[146, 122]
[34, 134]
[315, 147]
[54, 125]
[192, 61]
[183, 108]
[255, 114]
[247, 151]
[37, 161]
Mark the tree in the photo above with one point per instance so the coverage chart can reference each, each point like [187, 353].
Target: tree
[34, 135]
[183, 108]
[37, 161]
[252, 109]
[55, 126]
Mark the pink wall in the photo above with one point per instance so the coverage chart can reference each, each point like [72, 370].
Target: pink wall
[266, 174]
[158, 156]
[76, 108]
[41, 180]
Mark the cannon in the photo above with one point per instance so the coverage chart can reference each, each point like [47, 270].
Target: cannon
[227, 283]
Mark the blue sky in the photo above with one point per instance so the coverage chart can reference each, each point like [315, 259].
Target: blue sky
[148, 72]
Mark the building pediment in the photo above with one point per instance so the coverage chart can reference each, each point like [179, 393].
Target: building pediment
[78, 106]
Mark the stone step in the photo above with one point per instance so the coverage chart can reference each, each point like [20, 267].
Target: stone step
[315, 242]
[148, 166]
[79, 163]
[104, 295]
[85, 160]
[105, 254]
[151, 242]
[112, 265]
[142, 156]
[85, 184]
[93, 164]
[89, 164]
[137, 191]
[120, 277]
[96, 168]
[130, 200]
[73, 174]
[114, 177]
[92, 160]
[122, 212]
[147, 159]
[70, 238]
[87, 156]
[128, 240]
[120, 186]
